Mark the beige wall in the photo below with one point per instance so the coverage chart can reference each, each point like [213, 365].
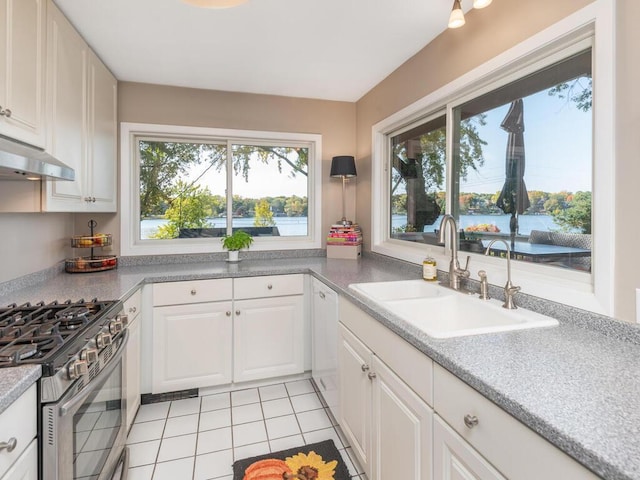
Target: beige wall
[627, 265]
[487, 34]
[31, 242]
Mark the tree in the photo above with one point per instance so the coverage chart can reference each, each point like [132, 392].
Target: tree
[420, 167]
[190, 207]
[263, 215]
[163, 164]
[576, 215]
[578, 91]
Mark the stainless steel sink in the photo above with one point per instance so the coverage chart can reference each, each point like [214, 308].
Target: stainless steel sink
[443, 313]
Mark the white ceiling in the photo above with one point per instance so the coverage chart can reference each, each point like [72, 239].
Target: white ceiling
[328, 49]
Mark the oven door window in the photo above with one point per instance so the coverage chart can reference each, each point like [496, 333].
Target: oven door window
[96, 426]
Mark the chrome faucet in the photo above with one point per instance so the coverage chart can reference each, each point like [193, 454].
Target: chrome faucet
[455, 272]
[509, 289]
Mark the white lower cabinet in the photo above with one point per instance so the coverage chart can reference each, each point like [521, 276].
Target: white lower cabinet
[389, 427]
[191, 346]
[26, 467]
[215, 332]
[484, 429]
[268, 338]
[455, 459]
[18, 426]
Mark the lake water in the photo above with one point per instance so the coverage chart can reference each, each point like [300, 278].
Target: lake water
[287, 226]
[297, 226]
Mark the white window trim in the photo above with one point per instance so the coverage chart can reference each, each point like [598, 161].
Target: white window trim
[129, 192]
[593, 292]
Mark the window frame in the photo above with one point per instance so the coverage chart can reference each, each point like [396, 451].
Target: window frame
[590, 291]
[130, 191]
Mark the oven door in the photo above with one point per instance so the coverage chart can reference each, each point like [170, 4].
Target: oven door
[84, 432]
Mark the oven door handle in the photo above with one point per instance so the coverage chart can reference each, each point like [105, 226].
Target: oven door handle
[73, 402]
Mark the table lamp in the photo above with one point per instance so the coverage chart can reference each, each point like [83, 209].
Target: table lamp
[343, 166]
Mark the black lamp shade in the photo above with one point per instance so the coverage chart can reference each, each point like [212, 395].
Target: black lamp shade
[343, 166]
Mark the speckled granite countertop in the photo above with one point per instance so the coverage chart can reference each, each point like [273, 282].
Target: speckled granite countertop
[577, 385]
[14, 382]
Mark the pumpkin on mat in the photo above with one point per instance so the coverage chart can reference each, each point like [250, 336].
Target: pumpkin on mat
[269, 469]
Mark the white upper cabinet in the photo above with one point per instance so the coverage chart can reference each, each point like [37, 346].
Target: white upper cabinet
[22, 67]
[81, 115]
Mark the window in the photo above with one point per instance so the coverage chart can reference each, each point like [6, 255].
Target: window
[535, 102]
[522, 160]
[194, 184]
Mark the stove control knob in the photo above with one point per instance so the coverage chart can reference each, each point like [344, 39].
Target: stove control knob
[76, 369]
[115, 326]
[103, 339]
[89, 355]
[124, 319]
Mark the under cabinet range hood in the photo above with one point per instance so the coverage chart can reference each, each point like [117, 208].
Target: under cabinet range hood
[21, 161]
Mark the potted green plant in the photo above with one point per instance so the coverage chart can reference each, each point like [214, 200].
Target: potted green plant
[236, 242]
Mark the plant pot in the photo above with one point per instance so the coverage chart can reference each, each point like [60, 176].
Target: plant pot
[233, 256]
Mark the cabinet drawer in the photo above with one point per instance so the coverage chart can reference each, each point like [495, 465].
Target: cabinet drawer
[196, 291]
[271, 286]
[514, 449]
[19, 422]
[133, 305]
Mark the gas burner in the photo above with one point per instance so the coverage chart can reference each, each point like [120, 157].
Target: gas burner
[73, 317]
[17, 353]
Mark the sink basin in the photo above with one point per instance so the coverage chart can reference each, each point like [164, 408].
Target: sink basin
[383, 291]
[442, 313]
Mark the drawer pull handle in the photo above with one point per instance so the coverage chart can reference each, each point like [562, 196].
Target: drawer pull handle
[269, 287]
[470, 420]
[193, 292]
[371, 375]
[364, 367]
[10, 445]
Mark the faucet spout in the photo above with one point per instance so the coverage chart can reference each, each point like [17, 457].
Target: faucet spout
[509, 289]
[448, 223]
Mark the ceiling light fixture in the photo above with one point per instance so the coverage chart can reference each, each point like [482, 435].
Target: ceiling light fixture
[481, 3]
[215, 3]
[456, 19]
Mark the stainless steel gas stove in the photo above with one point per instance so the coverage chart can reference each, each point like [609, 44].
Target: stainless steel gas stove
[79, 346]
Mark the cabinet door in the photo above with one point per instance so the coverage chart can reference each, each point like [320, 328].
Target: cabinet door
[455, 459]
[101, 161]
[191, 346]
[268, 337]
[132, 362]
[324, 332]
[67, 58]
[22, 58]
[355, 396]
[26, 467]
[402, 429]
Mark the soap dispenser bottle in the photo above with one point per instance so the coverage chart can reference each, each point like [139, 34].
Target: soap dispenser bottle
[429, 270]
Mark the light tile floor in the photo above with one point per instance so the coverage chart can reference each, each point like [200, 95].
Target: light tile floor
[200, 438]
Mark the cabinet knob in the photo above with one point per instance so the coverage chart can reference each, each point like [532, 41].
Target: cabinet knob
[10, 445]
[371, 375]
[237, 312]
[321, 295]
[93, 199]
[364, 367]
[6, 112]
[133, 309]
[470, 420]
[193, 292]
[228, 313]
[269, 287]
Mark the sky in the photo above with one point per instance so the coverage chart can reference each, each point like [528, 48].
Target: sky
[557, 148]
